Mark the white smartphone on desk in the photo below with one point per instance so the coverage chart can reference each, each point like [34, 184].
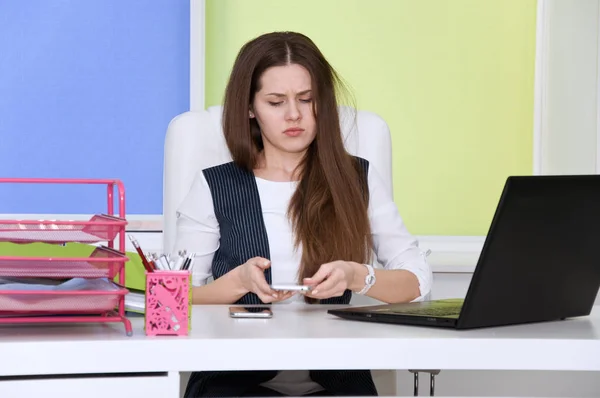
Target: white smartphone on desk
[250, 312]
[290, 287]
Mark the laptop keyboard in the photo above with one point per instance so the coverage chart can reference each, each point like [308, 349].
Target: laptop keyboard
[432, 311]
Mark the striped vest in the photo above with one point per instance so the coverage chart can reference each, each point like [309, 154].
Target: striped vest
[242, 228]
[238, 210]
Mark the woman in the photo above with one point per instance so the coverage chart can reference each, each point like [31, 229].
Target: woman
[292, 206]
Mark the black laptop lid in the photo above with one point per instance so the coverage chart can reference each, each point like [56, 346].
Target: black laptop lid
[541, 257]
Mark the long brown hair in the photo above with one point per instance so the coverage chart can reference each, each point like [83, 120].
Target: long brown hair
[329, 208]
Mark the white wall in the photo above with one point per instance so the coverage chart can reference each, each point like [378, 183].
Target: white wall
[567, 93]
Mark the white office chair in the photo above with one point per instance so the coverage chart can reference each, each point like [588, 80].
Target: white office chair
[195, 141]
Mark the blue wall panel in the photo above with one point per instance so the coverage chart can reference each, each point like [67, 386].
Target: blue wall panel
[87, 89]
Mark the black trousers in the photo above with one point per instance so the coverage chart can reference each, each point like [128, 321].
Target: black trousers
[247, 383]
[261, 391]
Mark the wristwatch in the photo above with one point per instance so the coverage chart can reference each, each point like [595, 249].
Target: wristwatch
[369, 279]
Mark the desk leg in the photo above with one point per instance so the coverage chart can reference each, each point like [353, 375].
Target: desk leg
[416, 384]
[174, 390]
[432, 374]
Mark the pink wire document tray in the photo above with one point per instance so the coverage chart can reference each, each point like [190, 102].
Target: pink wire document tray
[104, 262]
[99, 228]
[75, 289]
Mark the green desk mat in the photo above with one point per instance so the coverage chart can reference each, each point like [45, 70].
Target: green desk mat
[134, 269]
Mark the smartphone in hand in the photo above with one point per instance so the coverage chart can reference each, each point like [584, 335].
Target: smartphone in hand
[290, 287]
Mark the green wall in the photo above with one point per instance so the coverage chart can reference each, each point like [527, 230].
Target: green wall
[452, 78]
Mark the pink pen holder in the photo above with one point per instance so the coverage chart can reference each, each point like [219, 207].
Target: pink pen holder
[168, 303]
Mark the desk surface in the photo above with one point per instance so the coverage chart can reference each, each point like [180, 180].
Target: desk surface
[299, 337]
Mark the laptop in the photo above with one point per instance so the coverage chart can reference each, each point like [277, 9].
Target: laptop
[540, 261]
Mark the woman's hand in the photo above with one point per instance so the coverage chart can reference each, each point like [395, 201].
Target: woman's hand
[332, 279]
[251, 277]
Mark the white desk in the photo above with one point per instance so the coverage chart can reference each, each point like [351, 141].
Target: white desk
[298, 338]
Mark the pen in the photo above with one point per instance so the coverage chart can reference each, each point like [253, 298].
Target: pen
[152, 261]
[188, 262]
[192, 258]
[137, 247]
[164, 263]
[178, 264]
[158, 263]
[181, 257]
[184, 265]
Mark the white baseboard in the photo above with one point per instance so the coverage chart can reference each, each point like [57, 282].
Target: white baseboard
[135, 222]
[449, 254]
[150, 242]
[452, 254]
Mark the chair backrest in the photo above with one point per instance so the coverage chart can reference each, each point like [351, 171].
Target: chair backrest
[195, 141]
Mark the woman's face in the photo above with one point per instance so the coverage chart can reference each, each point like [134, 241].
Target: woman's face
[283, 109]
